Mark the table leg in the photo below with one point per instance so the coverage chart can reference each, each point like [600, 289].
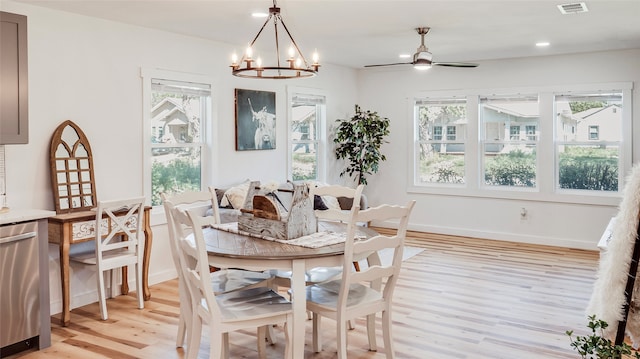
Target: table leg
[64, 280]
[299, 300]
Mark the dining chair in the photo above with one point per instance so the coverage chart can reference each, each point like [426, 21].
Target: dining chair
[258, 307]
[366, 292]
[226, 280]
[119, 247]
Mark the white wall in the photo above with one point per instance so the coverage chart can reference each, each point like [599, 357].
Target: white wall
[388, 91]
[88, 70]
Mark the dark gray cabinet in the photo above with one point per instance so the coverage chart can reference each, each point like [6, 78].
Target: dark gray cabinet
[14, 102]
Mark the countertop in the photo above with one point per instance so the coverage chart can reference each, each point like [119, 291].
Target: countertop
[23, 215]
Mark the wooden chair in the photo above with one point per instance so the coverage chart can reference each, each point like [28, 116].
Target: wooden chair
[179, 226]
[258, 307]
[120, 246]
[362, 293]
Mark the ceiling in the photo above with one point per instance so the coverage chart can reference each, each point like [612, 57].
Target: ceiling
[355, 33]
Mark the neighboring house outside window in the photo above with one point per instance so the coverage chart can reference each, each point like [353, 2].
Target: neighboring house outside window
[438, 160]
[514, 133]
[307, 118]
[178, 115]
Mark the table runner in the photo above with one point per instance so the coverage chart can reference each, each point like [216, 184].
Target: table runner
[314, 240]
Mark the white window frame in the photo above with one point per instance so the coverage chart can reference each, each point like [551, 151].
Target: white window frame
[321, 138]
[546, 191]
[208, 153]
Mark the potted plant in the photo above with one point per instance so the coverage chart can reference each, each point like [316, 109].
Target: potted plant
[596, 346]
[358, 142]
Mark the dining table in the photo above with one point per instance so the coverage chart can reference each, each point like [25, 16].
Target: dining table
[236, 249]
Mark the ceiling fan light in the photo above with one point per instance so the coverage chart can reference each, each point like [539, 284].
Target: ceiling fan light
[422, 64]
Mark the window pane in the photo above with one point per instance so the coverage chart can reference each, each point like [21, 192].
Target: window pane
[441, 128]
[441, 163]
[175, 170]
[307, 112]
[305, 161]
[510, 165]
[176, 116]
[589, 138]
[511, 125]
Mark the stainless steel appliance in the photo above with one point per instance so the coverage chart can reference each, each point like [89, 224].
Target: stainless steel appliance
[19, 287]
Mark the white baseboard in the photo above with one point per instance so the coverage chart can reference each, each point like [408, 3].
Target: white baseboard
[500, 236]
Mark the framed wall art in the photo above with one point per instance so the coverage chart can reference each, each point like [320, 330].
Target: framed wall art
[255, 120]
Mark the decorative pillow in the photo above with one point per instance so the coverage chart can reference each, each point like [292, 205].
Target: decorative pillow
[328, 201]
[220, 196]
[236, 195]
[318, 204]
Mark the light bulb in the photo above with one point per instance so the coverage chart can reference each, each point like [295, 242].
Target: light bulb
[298, 62]
[315, 57]
[292, 52]
[234, 58]
[259, 62]
[249, 52]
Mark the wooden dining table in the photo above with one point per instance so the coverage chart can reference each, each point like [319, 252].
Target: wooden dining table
[234, 250]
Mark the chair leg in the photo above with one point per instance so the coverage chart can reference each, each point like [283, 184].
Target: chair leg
[112, 281]
[101, 295]
[262, 344]
[194, 338]
[271, 335]
[288, 335]
[341, 337]
[139, 293]
[317, 333]
[225, 345]
[182, 331]
[386, 333]
[371, 332]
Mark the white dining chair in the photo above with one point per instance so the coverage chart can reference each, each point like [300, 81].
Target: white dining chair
[258, 307]
[323, 274]
[225, 280]
[366, 292]
[118, 243]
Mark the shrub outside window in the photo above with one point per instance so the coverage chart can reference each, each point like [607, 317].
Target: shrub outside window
[438, 160]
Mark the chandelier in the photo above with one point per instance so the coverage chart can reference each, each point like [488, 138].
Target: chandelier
[296, 67]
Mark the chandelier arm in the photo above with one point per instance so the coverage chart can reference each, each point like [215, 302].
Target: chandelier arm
[306, 64]
[275, 26]
[244, 56]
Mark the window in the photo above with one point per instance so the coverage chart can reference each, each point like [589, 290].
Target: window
[507, 160]
[568, 144]
[177, 114]
[438, 160]
[514, 133]
[437, 133]
[307, 117]
[451, 133]
[589, 157]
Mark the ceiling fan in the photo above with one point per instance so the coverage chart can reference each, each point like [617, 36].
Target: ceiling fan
[422, 59]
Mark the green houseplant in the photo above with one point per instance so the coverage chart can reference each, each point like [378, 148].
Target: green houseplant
[358, 142]
[596, 346]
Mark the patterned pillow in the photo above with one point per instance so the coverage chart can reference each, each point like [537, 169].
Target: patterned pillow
[235, 196]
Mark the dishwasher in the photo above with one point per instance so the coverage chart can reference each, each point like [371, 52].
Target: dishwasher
[19, 288]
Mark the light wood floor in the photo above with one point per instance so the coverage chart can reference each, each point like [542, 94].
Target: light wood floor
[459, 298]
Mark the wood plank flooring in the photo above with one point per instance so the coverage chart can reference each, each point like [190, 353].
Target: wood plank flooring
[460, 298]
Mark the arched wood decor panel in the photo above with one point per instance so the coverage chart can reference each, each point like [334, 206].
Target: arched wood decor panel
[71, 164]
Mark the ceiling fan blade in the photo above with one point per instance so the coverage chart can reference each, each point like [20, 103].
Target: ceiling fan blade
[393, 64]
[455, 64]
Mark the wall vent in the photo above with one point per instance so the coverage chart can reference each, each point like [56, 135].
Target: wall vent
[573, 8]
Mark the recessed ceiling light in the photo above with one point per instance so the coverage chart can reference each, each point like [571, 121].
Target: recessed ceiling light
[404, 56]
[259, 14]
[542, 44]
